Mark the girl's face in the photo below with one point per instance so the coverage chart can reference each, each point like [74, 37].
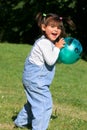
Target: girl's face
[52, 31]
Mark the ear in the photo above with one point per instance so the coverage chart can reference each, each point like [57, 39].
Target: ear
[43, 27]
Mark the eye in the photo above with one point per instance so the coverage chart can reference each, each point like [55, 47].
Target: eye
[59, 27]
[52, 25]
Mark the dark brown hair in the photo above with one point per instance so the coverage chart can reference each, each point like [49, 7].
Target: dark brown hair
[60, 22]
[47, 18]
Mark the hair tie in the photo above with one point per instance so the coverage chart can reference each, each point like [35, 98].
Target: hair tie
[61, 18]
[44, 15]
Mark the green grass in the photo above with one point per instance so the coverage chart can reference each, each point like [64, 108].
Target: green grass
[69, 90]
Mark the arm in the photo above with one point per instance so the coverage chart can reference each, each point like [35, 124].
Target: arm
[50, 51]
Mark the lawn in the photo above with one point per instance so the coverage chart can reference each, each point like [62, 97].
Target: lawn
[69, 90]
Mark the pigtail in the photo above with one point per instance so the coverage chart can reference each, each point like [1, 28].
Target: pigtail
[39, 19]
[70, 23]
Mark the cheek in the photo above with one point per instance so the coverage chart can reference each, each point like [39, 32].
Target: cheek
[47, 32]
[60, 31]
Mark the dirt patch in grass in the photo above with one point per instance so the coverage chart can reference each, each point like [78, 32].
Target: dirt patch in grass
[6, 126]
[71, 111]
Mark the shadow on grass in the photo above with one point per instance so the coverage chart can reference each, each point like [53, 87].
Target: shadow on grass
[14, 116]
[54, 117]
[29, 126]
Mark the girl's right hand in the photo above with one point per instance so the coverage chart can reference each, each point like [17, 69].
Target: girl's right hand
[60, 43]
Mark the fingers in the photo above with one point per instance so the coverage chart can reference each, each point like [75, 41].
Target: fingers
[62, 40]
[60, 43]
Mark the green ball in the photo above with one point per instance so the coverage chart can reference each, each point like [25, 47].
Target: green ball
[71, 52]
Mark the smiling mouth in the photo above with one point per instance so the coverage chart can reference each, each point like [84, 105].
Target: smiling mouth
[54, 34]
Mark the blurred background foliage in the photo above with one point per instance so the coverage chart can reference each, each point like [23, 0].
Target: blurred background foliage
[17, 19]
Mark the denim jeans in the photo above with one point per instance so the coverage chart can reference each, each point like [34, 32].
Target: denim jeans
[38, 109]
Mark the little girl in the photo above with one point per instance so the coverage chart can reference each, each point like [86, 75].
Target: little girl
[39, 72]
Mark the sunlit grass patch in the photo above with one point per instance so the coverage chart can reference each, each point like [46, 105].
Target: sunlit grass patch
[69, 90]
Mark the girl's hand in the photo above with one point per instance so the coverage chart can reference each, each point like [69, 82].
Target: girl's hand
[60, 43]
